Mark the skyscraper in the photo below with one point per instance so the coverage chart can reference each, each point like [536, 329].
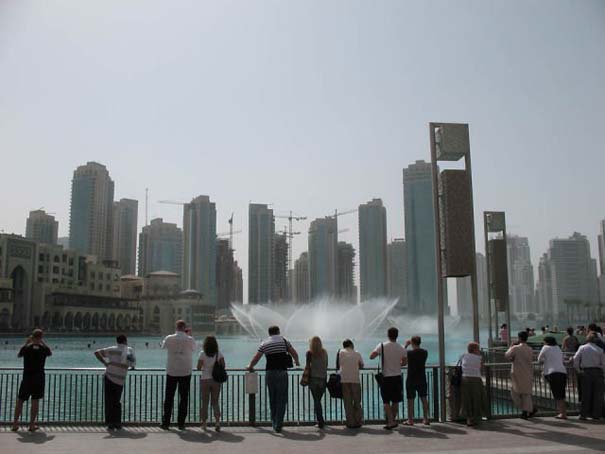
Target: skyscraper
[396, 271]
[41, 227]
[124, 240]
[237, 290]
[160, 248]
[520, 275]
[301, 279]
[199, 264]
[601, 244]
[568, 280]
[421, 274]
[91, 211]
[373, 250]
[347, 291]
[224, 274]
[261, 231]
[323, 257]
[280, 268]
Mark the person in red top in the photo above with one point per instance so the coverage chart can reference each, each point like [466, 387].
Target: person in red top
[34, 354]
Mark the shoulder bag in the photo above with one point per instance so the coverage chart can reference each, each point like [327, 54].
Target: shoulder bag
[289, 360]
[334, 384]
[219, 374]
[456, 377]
[306, 375]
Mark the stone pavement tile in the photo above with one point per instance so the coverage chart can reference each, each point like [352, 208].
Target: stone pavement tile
[541, 435]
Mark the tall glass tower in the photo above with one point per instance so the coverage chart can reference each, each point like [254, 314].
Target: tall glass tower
[373, 250]
[421, 274]
[261, 234]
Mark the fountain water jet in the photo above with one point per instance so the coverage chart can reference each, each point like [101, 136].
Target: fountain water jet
[325, 317]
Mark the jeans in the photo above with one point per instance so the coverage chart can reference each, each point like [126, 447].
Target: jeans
[277, 385]
[113, 407]
[210, 392]
[171, 384]
[592, 393]
[317, 386]
[351, 395]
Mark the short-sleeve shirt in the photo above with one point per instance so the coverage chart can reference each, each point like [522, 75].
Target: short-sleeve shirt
[416, 364]
[180, 349]
[208, 364]
[471, 365]
[34, 358]
[393, 354]
[349, 361]
[275, 348]
[118, 355]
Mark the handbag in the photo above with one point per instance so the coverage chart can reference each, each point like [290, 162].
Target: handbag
[219, 374]
[304, 380]
[334, 384]
[456, 377]
[379, 377]
[289, 360]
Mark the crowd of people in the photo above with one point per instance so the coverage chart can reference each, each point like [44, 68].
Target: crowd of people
[588, 360]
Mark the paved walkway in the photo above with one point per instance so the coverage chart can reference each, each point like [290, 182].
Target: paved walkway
[541, 435]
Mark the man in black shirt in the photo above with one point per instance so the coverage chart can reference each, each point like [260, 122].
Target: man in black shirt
[416, 379]
[34, 354]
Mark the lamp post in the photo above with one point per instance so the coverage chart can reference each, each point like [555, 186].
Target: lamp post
[454, 225]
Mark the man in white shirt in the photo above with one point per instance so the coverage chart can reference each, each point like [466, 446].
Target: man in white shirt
[349, 363]
[589, 361]
[180, 347]
[393, 357]
[117, 360]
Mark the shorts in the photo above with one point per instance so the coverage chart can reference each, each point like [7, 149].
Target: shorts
[32, 386]
[416, 386]
[391, 389]
[557, 382]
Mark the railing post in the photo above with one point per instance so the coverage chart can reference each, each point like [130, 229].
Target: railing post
[436, 395]
[252, 409]
[488, 385]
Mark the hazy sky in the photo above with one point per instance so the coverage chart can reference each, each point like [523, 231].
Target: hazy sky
[309, 105]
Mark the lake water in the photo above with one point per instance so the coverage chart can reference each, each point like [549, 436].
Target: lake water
[78, 351]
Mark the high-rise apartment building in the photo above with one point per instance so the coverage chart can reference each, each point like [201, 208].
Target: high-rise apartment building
[302, 290]
[199, 258]
[41, 227]
[567, 284]
[237, 291]
[280, 268]
[124, 240]
[160, 248]
[396, 271]
[601, 244]
[520, 275]
[323, 257]
[421, 274]
[91, 211]
[224, 274]
[261, 231]
[373, 250]
[347, 291]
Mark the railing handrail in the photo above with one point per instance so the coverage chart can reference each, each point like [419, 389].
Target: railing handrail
[161, 369]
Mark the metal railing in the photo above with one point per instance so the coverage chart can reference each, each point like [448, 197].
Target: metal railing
[75, 396]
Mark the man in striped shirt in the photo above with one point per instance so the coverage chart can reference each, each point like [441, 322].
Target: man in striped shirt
[117, 360]
[277, 351]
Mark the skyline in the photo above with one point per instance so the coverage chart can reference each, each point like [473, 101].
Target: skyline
[300, 103]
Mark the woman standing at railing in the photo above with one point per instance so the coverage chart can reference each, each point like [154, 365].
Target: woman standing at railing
[210, 388]
[317, 369]
[522, 374]
[555, 373]
[473, 395]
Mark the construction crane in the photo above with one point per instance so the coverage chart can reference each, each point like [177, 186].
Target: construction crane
[291, 218]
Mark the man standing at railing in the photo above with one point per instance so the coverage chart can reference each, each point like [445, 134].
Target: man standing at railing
[522, 372]
[34, 354]
[589, 361]
[393, 357]
[117, 360]
[278, 353]
[180, 347]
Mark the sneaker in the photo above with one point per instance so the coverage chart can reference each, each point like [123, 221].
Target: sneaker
[164, 427]
[182, 427]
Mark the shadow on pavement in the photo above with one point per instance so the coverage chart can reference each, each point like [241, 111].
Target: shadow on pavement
[298, 436]
[124, 434]
[37, 438]
[209, 437]
[554, 436]
[416, 432]
[446, 429]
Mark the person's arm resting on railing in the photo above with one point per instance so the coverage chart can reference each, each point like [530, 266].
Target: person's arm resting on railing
[254, 361]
